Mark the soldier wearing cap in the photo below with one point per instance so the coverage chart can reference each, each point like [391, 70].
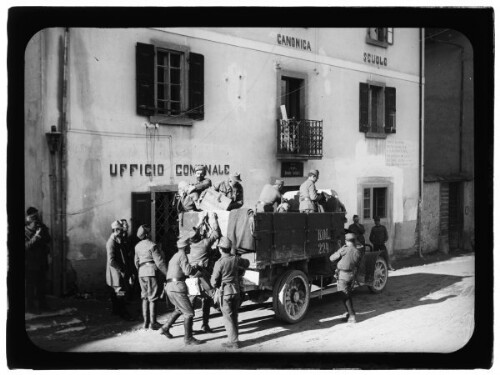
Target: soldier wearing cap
[378, 237]
[358, 229]
[186, 201]
[177, 292]
[36, 251]
[149, 261]
[308, 195]
[225, 276]
[270, 195]
[348, 258]
[232, 189]
[116, 270]
[200, 184]
[203, 256]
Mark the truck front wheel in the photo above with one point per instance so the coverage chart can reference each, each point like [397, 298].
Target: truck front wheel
[380, 275]
[291, 295]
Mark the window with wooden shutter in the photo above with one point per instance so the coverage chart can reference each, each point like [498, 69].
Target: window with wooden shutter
[380, 36]
[196, 86]
[390, 110]
[145, 76]
[363, 107]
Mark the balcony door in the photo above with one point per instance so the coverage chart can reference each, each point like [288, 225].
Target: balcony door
[292, 93]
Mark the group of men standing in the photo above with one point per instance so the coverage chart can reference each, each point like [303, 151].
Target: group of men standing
[195, 258]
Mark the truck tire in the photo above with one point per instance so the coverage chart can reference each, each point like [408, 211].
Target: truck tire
[291, 295]
[380, 276]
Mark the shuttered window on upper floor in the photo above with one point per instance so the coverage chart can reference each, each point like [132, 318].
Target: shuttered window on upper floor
[377, 109]
[380, 36]
[170, 84]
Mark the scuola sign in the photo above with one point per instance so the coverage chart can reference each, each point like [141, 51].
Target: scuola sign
[374, 59]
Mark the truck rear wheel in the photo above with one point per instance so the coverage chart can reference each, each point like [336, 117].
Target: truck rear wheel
[291, 296]
[380, 275]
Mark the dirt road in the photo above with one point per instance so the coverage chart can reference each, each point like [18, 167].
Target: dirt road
[427, 308]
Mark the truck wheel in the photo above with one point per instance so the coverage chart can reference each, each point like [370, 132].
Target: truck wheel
[291, 296]
[380, 276]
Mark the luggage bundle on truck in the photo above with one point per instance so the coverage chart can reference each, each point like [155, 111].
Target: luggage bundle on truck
[289, 256]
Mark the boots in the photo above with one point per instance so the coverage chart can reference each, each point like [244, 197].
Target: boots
[351, 315]
[171, 320]
[152, 314]
[145, 313]
[205, 309]
[188, 332]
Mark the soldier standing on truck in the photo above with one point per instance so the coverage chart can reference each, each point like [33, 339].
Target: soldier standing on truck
[347, 267]
[225, 277]
[177, 292]
[148, 260]
[233, 190]
[308, 195]
[185, 202]
[270, 195]
[202, 255]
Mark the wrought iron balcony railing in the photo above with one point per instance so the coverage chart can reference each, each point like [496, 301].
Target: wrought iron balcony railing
[300, 138]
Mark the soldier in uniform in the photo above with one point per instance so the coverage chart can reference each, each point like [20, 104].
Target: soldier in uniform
[225, 276]
[177, 292]
[233, 190]
[308, 195]
[116, 270]
[270, 195]
[200, 184]
[201, 255]
[378, 237]
[36, 251]
[348, 257]
[148, 260]
[186, 202]
[358, 229]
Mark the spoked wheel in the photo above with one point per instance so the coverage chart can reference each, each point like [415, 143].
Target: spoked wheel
[291, 296]
[380, 275]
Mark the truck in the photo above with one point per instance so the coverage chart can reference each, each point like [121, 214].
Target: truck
[289, 256]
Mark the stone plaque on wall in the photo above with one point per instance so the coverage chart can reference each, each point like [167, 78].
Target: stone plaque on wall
[292, 169]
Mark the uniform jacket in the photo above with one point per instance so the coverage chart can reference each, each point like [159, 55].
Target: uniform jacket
[201, 251]
[378, 235]
[226, 273]
[270, 195]
[349, 257]
[178, 268]
[149, 259]
[308, 195]
[116, 261]
[199, 186]
[359, 231]
[234, 193]
[36, 247]
[187, 202]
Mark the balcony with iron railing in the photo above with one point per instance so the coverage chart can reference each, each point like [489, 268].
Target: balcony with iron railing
[300, 139]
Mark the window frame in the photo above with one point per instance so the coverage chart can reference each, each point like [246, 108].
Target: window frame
[380, 132]
[388, 37]
[386, 106]
[303, 93]
[375, 183]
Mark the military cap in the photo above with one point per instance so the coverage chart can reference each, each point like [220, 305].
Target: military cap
[350, 236]
[279, 182]
[199, 168]
[236, 176]
[182, 242]
[225, 243]
[116, 225]
[31, 211]
[143, 231]
[376, 218]
[314, 172]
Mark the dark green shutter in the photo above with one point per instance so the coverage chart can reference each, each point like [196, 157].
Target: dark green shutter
[196, 86]
[145, 76]
[363, 107]
[390, 110]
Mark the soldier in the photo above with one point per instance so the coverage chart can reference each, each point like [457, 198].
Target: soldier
[225, 276]
[347, 267]
[36, 251]
[128, 245]
[186, 202]
[148, 260]
[233, 190]
[202, 255]
[308, 195]
[116, 271]
[358, 230]
[177, 292]
[270, 195]
[200, 184]
[378, 237]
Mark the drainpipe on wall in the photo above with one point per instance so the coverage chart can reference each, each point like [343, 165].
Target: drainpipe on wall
[63, 161]
[420, 139]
